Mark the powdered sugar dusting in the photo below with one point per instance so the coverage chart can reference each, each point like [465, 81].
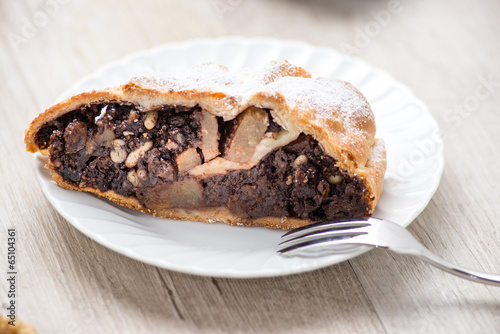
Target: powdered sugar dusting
[329, 98]
[378, 152]
[211, 77]
[325, 96]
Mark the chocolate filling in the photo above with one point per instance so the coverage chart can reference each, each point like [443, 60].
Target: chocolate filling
[117, 147]
[282, 186]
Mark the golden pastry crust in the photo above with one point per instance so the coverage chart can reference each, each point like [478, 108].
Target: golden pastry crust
[333, 112]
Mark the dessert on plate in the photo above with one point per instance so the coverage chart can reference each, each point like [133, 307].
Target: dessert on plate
[268, 146]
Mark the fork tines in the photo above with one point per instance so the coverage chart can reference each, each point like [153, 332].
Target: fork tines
[321, 232]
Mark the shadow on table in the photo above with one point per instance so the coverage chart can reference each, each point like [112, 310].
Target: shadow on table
[346, 8]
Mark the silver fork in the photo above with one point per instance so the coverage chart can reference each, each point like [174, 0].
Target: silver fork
[340, 236]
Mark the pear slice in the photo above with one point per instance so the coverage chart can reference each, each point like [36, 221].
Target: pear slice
[210, 136]
[187, 160]
[248, 132]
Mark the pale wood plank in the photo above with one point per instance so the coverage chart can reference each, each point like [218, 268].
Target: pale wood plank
[460, 223]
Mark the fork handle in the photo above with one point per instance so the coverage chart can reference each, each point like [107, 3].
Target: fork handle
[408, 244]
[471, 275]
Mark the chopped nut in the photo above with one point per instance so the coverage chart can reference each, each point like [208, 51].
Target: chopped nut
[187, 160]
[249, 131]
[334, 179]
[171, 145]
[133, 116]
[128, 133]
[142, 174]
[132, 177]
[301, 159]
[151, 119]
[180, 138]
[118, 153]
[289, 180]
[135, 155]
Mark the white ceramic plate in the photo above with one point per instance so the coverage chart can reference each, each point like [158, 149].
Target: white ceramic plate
[415, 164]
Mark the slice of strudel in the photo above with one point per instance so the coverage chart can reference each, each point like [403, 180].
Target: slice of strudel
[266, 146]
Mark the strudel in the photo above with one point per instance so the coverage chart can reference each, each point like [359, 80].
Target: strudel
[268, 146]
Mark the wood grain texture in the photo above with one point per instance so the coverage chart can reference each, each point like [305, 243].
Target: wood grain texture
[442, 50]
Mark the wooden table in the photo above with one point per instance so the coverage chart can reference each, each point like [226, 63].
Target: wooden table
[445, 51]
